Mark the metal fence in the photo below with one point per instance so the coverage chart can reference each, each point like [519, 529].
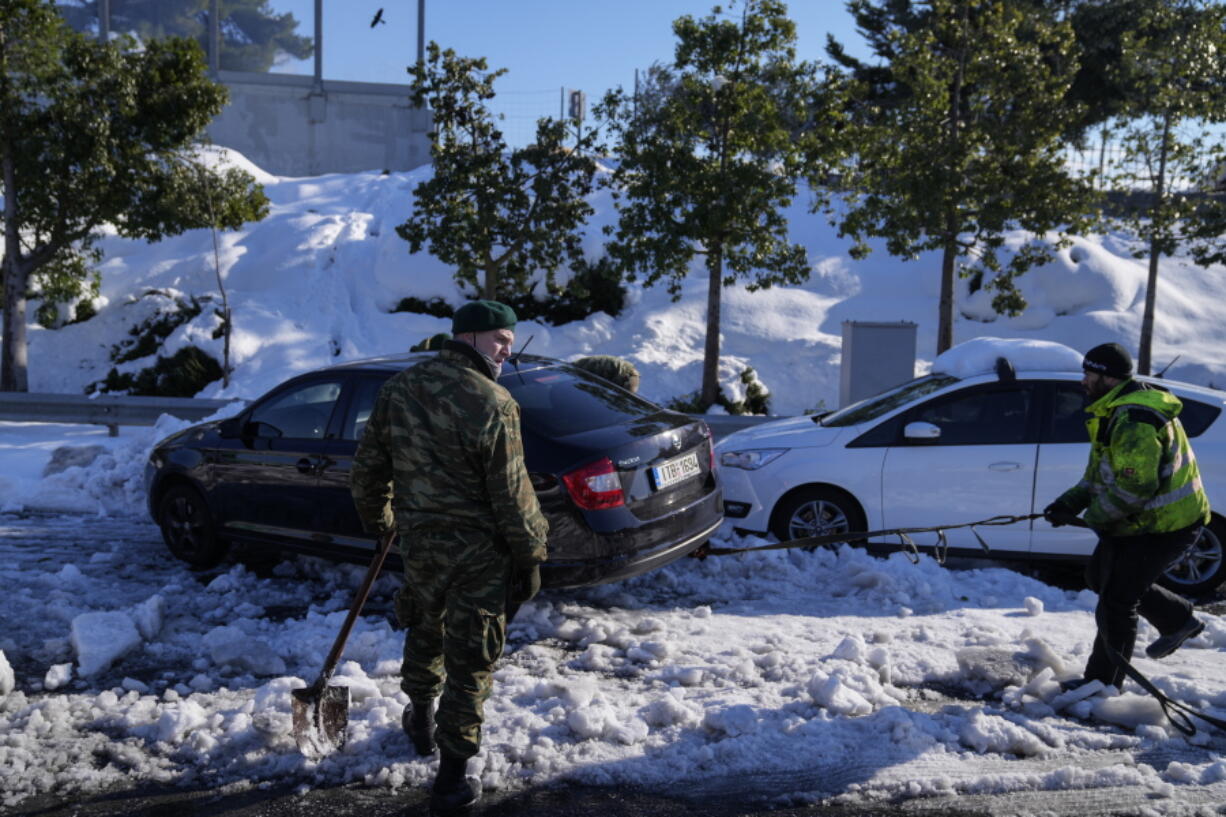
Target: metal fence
[113, 411]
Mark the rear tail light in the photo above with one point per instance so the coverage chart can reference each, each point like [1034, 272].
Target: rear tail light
[595, 486]
[706, 432]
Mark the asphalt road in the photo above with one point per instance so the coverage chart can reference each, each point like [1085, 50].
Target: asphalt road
[365, 802]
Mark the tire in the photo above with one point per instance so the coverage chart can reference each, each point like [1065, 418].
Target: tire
[188, 528]
[1203, 567]
[815, 511]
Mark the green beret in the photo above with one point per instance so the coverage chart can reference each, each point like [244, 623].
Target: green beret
[482, 316]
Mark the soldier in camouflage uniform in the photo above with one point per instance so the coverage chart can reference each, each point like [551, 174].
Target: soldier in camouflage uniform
[431, 344]
[442, 459]
[614, 369]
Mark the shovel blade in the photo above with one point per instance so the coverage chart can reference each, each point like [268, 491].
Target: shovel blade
[321, 719]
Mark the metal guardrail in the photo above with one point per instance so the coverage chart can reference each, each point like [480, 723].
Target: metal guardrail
[111, 411]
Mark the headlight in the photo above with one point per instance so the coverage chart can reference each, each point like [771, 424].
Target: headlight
[751, 460]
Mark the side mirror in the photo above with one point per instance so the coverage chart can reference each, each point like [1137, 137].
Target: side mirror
[921, 431]
[229, 428]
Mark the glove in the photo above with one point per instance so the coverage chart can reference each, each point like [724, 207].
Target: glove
[1058, 514]
[525, 584]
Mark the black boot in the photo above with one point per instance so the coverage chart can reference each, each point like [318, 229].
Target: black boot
[418, 723]
[453, 791]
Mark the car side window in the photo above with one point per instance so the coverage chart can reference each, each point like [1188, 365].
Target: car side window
[979, 417]
[1196, 416]
[1066, 416]
[365, 390]
[300, 412]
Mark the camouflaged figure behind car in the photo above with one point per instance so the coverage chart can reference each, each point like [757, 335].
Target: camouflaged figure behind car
[442, 459]
[616, 370]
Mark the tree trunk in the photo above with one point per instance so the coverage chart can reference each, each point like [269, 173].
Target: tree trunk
[1147, 322]
[953, 182]
[1144, 352]
[710, 352]
[13, 374]
[945, 307]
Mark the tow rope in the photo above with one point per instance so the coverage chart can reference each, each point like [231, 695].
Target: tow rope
[940, 549]
[1178, 713]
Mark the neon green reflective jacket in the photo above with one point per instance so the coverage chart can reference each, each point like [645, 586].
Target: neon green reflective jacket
[1142, 476]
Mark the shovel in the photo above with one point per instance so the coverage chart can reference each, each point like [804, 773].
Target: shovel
[321, 712]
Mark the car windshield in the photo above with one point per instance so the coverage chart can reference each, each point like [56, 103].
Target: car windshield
[873, 407]
[561, 402]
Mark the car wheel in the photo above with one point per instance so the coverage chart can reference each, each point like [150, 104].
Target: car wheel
[815, 512]
[1202, 567]
[188, 529]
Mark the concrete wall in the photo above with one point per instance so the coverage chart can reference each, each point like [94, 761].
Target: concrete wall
[289, 128]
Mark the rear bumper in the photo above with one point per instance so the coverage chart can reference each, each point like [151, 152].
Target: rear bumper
[682, 532]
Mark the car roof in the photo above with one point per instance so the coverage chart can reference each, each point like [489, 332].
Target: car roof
[403, 360]
[1200, 392]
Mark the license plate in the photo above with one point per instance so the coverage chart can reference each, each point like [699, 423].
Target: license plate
[674, 471]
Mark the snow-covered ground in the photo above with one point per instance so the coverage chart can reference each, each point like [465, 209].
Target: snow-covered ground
[828, 676]
[807, 676]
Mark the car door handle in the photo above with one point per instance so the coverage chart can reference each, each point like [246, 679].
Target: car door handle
[305, 466]
[1004, 466]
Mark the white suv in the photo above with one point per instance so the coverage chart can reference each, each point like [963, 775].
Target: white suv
[946, 449]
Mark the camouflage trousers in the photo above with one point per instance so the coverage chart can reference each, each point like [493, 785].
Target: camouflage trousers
[453, 604]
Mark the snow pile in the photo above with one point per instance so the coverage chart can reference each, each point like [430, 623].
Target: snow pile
[733, 675]
[980, 355]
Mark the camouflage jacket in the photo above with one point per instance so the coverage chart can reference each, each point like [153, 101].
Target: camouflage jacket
[442, 449]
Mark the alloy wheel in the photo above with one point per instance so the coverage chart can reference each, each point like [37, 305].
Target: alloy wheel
[1199, 563]
[817, 518]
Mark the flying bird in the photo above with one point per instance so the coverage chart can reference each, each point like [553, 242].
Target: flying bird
[378, 19]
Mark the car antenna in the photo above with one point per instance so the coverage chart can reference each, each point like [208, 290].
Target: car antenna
[1158, 375]
[1005, 372]
[515, 357]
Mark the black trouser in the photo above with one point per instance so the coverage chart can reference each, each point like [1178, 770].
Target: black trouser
[1122, 571]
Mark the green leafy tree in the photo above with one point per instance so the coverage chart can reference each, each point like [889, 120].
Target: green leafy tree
[1098, 27]
[498, 216]
[967, 147]
[254, 37]
[710, 152]
[94, 135]
[1174, 67]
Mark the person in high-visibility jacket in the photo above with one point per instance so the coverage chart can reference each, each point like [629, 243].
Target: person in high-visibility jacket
[1142, 495]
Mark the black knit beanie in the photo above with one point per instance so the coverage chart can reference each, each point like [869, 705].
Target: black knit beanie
[1108, 359]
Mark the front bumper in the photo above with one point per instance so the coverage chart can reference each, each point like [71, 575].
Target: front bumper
[748, 512]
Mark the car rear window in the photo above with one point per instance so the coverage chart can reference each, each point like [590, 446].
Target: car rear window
[562, 401]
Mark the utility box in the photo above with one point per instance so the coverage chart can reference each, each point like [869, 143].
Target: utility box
[876, 356]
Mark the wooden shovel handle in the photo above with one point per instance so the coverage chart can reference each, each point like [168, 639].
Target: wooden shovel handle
[385, 545]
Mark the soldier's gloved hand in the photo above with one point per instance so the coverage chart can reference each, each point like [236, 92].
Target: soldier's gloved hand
[1058, 514]
[525, 583]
